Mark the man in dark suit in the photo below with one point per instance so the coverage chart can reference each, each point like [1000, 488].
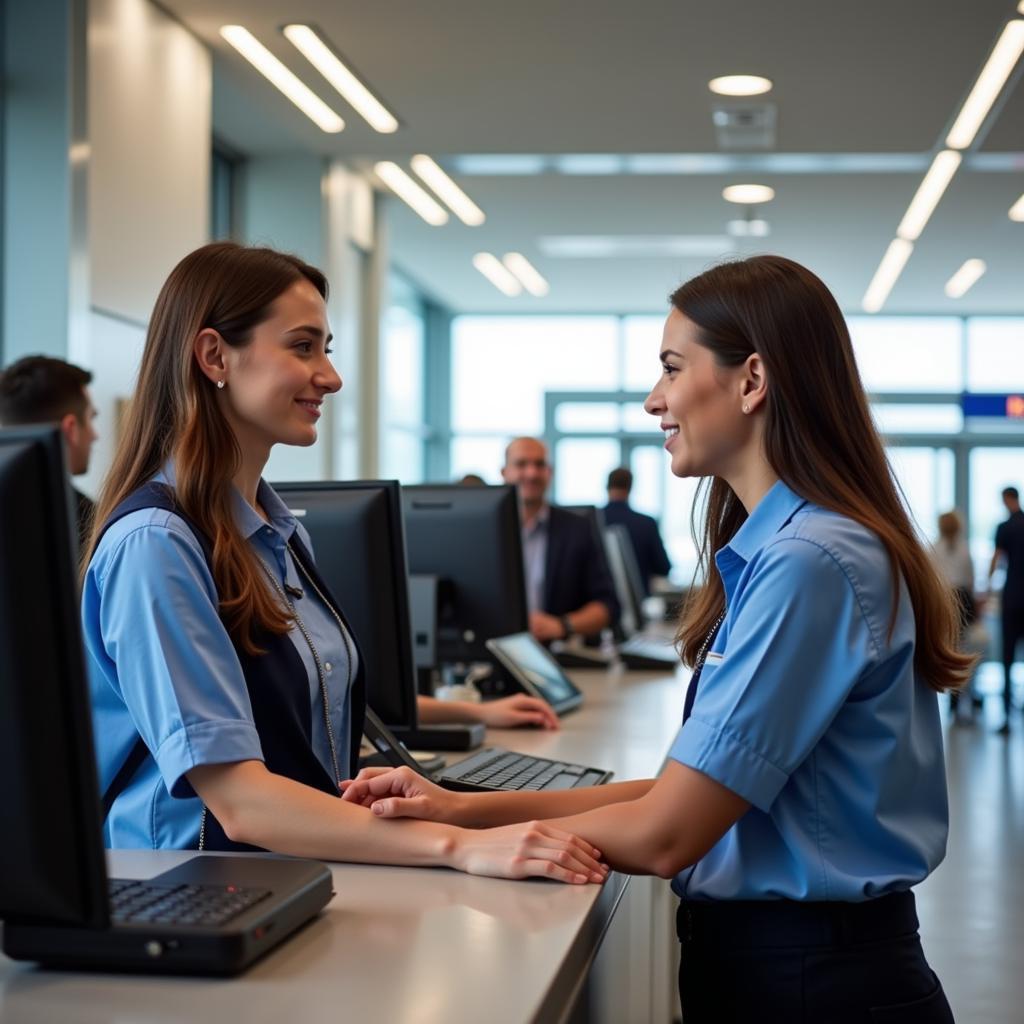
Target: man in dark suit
[40, 389]
[651, 557]
[1009, 551]
[567, 583]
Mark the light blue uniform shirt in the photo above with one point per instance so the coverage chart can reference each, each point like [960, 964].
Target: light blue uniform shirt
[161, 665]
[808, 709]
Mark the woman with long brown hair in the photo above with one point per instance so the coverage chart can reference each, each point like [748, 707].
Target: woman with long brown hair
[227, 689]
[805, 794]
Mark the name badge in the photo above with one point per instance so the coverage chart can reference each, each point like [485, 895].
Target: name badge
[713, 659]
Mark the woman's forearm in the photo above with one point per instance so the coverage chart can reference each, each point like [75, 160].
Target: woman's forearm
[486, 810]
[259, 808]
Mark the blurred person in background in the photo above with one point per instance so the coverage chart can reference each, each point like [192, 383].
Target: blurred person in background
[952, 557]
[41, 389]
[1009, 553]
[651, 558]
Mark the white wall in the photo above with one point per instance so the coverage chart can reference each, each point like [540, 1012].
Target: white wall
[149, 112]
[114, 353]
[150, 84]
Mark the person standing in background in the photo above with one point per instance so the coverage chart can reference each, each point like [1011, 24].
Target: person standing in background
[1010, 553]
[567, 584]
[952, 557]
[41, 389]
[651, 557]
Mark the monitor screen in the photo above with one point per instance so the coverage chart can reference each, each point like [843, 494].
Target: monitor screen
[51, 855]
[626, 577]
[359, 547]
[533, 662]
[469, 537]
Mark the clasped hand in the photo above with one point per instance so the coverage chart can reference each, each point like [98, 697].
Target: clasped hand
[534, 848]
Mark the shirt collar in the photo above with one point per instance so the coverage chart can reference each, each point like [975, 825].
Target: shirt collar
[247, 519]
[540, 520]
[770, 514]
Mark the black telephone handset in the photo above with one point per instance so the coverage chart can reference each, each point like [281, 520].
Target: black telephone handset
[389, 746]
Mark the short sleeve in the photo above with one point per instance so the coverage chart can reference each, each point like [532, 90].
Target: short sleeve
[797, 642]
[160, 643]
[1002, 541]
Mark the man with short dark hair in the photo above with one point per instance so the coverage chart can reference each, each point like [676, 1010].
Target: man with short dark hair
[41, 389]
[651, 557]
[1010, 551]
[568, 587]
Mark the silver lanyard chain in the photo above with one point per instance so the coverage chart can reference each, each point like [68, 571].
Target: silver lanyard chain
[321, 675]
[702, 653]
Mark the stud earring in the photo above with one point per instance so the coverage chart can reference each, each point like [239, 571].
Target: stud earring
[220, 387]
[746, 408]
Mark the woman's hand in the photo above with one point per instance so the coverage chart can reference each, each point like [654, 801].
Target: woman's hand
[534, 849]
[515, 711]
[402, 793]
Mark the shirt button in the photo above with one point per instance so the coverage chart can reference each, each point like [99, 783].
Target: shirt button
[328, 667]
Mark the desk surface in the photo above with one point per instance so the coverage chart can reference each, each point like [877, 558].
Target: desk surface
[404, 945]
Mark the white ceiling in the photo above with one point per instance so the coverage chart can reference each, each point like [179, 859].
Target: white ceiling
[876, 78]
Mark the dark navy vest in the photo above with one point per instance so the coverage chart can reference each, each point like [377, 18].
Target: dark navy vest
[276, 680]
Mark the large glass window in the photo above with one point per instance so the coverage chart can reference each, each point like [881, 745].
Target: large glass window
[402, 384]
[995, 354]
[908, 353]
[503, 367]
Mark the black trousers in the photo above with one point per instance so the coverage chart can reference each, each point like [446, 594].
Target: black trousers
[1012, 622]
[806, 963]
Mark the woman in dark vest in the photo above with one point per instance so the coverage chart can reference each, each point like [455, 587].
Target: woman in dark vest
[227, 690]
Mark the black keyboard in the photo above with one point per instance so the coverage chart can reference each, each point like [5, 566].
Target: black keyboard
[199, 906]
[501, 769]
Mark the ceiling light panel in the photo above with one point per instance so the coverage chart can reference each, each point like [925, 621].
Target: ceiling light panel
[962, 281]
[990, 83]
[327, 62]
[928, 194]
[893, 262]
[749, 194]
[1017, 210]
[409, 192]
[272, 69]
[527, 274]
[498, 274]
[454, 198]
[740, 85]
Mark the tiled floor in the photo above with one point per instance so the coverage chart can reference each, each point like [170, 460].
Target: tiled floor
[972, 907]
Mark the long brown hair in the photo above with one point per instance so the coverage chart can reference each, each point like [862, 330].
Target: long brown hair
[174, 413]
[818, 437]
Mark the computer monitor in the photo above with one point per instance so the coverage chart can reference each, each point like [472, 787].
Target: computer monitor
[626, 577]
[51, 856]
[359, 548]
[469, 537]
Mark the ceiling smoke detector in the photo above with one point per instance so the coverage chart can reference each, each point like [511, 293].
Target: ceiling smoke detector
[741, 124]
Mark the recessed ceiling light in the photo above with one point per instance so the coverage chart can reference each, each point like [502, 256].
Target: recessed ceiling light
[749, 194]
[527, 273]
[964, 278]
[889, 269]
[928, 194]
[458, 202]
[409, 192]
[1017, 210]
[497, 273]
[990, 82]
[326, 61]
[740, 85]
[271, 68]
